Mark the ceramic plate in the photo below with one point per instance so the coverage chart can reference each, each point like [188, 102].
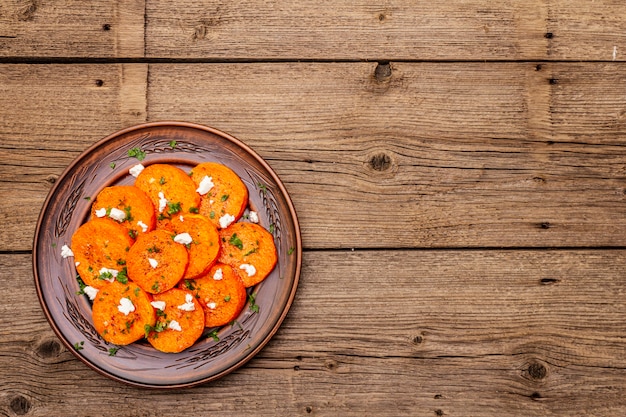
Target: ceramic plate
[67, 207]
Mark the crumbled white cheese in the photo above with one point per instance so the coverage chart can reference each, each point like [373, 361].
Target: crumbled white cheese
[101, 212]
[226, 220]
[183, 238]
[211, 202]
[205, 185]
[136, 170]
[117, 214]
[144, 227]
[77, 263]
[159, 305]
[253, 217]
[189, 305]
[153, 262]
[175, 326]
[66, 252]
[182, 219]
[250, 269]
[113, 272]
[162, 201]
[126, 306]
[90, 291]
[211, 305]
[218, 275]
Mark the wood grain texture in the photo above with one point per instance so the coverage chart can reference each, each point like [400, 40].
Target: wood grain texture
[489, 333]
[391, 30]
[72, 28]
[50, 114]
[409, 155]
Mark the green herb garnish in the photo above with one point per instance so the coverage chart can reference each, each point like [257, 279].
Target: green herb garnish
[224, 197]
[113, 351]
[79, 345]
[137, 153]
[235, 241]
[214, 335]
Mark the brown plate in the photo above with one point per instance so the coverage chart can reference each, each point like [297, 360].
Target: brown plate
[67, 207]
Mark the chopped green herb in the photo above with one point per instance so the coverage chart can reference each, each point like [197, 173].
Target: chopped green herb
[194, 210]
[113, 351]
[129, 216]
[81, 285]
[173, 208]
[137, 153]
[79, 345]
[121, 262]
[214, 335]
[290, 251]
[235, 241]
[106, 275]
[189, 284]
[87, 198]
[172, 144]
[136, 291]
[132, 233]
[254, 307]
[112, 165]
[161, 216]
[162, 180]
[154, 249]
[272, 228]
[212, 214]
[251, 251]
[155, 286]
[54, 245]
[122, 276]
[224, 197]
[263, 187]
[227, 298]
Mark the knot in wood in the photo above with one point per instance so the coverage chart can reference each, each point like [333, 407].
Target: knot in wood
[417, 339]
[20, 405]
[382, 71]
[380, 162]
[51, 179]
[48, 349]
[537, 370]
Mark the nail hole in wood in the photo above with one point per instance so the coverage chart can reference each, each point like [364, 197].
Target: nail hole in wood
[535, 396]
[438, 396]
[382, 71]
[99, 83]
[548, 35]
[544, 225]
[553, 81]
[438, 412]
[296, 368]
[51, 179]
[20, 405]
[309, 409]
[538, 67]
[106, 26]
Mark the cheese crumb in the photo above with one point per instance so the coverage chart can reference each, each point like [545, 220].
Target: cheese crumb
[159, 305]
[253, 217]
[162, 202]
[117, 214]
[189, 305]
[205, 185]
[218, 274]
[175, 326]
[66, 252]
[76, 263]
[136, 170]
[183, 238]
[91, 292]
[144, 227]
[182, 219]
[113, 272]
[126, 306]
[211, 305]
[250, 269]
[101, 212]
[226, 220]
[153, 262]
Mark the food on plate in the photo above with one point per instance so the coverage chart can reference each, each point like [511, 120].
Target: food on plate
[121, 312]
[171, 255]
[157, 262]
[224, 195]
[100, 248]
[204, 247]
[250, 250]
[221, 294]
[171, 190]
[180, 321]
[127, 205]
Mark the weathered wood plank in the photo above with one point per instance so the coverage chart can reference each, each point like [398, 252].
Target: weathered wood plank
[422, 155]
[425, 154]
[396, 30]
[490, 333]
[49, 114]
[108, 29]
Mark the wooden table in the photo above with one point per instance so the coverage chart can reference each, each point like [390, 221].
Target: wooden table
[458, 168]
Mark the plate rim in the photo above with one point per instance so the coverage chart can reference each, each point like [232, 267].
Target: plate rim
[297, 252]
